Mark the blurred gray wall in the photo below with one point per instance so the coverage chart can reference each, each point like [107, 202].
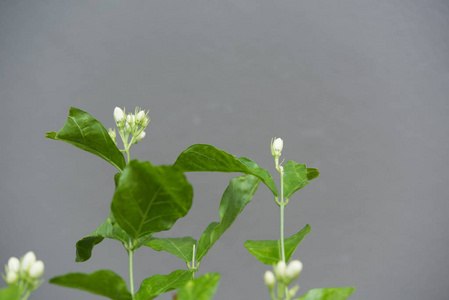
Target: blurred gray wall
[358, 89]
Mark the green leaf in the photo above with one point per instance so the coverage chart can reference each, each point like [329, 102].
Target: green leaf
[328, 294]
[103, 282]
[296, 176]
[202, 288]
[86, 133]
[109, 229]
[181, 247]
[206, 158]
[11, 292]
[268, 252]
[150, 199]
[237, 195]
[159, 284]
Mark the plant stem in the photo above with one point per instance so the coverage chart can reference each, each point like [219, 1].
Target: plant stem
[131, 280]
[282, 206]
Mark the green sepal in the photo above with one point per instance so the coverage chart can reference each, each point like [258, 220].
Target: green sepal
[207, 158]
[341, 293]
[11, 292]
[103, 282]
[150, 198]
[83, 131]
[180, 247]
[159, 284]
[268, 251]
[296, 176]
[237, 195]
[201, 288]
[108, 229]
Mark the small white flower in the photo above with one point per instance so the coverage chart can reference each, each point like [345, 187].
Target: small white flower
[140, 136]
[119, 116]
[140, 117]
[293, 270]
[11, 277]
[269, 279]
[127, 128]
[13, 264]
[37, 269]
[276, 147]
[279, 270]
[28, 260]
[130, 119]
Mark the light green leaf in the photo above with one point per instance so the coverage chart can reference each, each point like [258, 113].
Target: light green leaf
[103, 282]
[181, 247]
[86, 133]
[237, 195]
[296, 176]
[206, 158]
[159, 284]
[11, 292]
[328, 294]
[150, 199]
[268, 252]
[202, 288]
[109, 229]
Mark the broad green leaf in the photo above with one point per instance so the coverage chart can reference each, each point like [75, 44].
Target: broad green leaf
[159, 284]
[11, 292]
[202, 288]
[109, 229]
[181, 247]
[84, 132]
[295, 178]
[328, 294]
[237, 195]
[150, 198]
[206, 158]
[268, 252]
[103, 282]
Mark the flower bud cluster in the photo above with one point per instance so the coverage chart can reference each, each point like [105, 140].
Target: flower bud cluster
[284, 275]
[130, 125]
[27, 271]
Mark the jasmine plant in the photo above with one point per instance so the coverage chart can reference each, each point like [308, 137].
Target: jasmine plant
[149, 199]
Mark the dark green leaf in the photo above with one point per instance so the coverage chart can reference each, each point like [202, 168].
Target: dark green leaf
[295, 177]
[84, 132]
[202, 288]
[237, 195]
[312, 173]
[11, 292]
[328, 294]
[181, 247]
[149, 199]
[206, 158]
[104, 282]
[109, 229]
[268, 252]
[159, 284]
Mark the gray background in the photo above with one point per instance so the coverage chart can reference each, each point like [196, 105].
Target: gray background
[356, 88]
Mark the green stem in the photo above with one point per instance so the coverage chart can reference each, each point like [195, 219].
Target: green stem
[281, 172]
[131, 280]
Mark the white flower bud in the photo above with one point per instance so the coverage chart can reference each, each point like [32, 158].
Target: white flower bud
[28, 260]
[269, 279]
[11, 277]
[279, 270]
[13, 264]
[276, 147]
[37, 269]
[293, 270]
[292, 292]
[130, 119]
[145, 122]
[119, 116]
[140, 136]
[140, 117]
[127, 128]
[112, 134]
